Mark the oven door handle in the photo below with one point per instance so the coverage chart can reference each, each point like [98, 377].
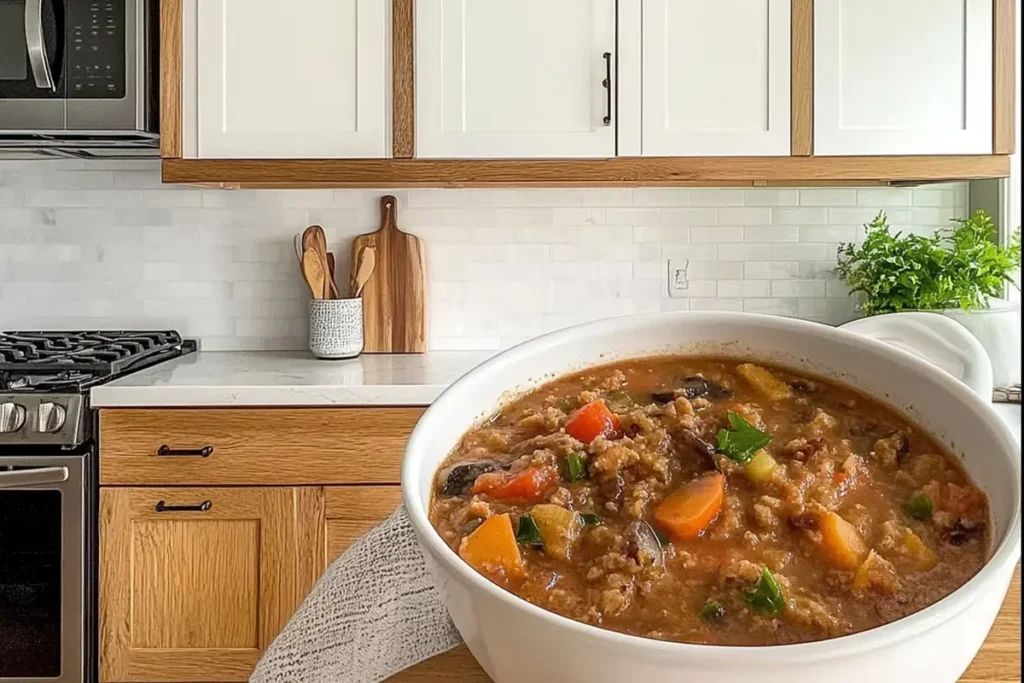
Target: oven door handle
[33, 477]
[37, 56]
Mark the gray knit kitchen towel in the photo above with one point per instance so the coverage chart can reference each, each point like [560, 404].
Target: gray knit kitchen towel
[373, 613]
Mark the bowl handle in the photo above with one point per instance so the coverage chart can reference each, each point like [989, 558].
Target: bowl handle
[936, 338]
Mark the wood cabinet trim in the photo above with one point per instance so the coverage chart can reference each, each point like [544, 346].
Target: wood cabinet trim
[802, 78]
[1004, 76]
[616, 172]
[403, 81]
[170, 79]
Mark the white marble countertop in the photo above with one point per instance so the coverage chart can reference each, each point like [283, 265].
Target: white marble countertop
[221, 378]
[294, 378]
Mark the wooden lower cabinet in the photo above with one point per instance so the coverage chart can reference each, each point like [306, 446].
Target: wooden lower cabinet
[194, 594]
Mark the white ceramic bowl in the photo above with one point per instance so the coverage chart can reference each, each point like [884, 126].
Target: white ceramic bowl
[517, 642]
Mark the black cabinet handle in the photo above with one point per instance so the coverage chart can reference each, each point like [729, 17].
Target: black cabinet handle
[607, 83]
[204, 452]
[161, 506]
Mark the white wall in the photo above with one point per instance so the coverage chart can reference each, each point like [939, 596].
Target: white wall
[104, 244]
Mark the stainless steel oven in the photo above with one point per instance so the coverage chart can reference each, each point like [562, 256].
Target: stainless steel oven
[79, 76]
[45, 599]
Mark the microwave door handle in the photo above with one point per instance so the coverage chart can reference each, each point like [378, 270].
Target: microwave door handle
[37, 56]
[33, 477]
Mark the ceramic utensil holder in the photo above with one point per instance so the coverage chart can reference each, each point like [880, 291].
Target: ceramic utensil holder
[336, 328]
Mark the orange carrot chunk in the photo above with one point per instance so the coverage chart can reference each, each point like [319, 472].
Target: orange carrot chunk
[841, 542]
[492, 550]
[531, 485]
[687, 511]
[588, 422]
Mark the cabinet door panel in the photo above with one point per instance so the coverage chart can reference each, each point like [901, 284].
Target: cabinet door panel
[297, 79]
[354, 510]
[716, 77]
[198, 595]
[513, 79]
[907, 77]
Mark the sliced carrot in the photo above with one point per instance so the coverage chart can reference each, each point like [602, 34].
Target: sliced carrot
[530, 485]
[687, 511]
[591, 421]
[841, 542]
[492, 550]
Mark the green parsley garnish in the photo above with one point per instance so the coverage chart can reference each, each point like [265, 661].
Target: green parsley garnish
[766, 597]
[528, 533]
[742, 441]
[576, 467]
[590, 519]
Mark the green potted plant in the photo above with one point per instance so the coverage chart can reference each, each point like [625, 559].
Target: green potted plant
[958, 271]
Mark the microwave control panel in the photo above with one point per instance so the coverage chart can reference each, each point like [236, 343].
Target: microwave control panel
[96, 49]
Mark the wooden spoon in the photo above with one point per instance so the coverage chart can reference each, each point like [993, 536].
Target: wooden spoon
[313, 271]
[314, 238]
[330, 270]
[364, 269]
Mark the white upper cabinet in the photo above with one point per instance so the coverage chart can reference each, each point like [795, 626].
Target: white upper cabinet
[514, 78]
[716, 77]
[293, 79]
[902, 77]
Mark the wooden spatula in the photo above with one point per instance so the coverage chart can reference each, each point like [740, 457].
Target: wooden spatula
[363, 270]
[313, 271]
[314, 238]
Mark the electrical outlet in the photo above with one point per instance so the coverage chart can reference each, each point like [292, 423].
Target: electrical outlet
[677, 282]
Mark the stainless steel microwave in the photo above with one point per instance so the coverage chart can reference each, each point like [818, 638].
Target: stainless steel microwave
[79, 77]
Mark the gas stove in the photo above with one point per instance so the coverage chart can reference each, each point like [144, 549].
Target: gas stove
[45, 378]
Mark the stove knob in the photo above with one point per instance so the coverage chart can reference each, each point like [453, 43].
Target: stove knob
[51, 418]
[12, 417]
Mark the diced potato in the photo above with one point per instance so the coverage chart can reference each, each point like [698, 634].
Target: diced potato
[765, 382]
[920, 556]
[842, 544]
[492, 550]
[558, 527]
[876, 573]
[760, 467]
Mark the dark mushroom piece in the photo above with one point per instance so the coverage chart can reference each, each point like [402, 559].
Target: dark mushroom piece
[698, 445]
[693, 387]
[459, 477]
[642, 545]
[804, 522]
[959, 533]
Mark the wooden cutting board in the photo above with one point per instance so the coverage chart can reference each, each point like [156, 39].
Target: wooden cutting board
[393, 299]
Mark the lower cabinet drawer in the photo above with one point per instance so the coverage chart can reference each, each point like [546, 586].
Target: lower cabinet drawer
[262, 446]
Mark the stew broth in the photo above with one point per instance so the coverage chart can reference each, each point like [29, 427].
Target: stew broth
[712, 501]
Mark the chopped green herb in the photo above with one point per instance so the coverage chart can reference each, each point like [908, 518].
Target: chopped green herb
[742, 441]
[590, 519]
[472, 524]
[575, 466]
[766, 597]
[528, 533]
[619, 400]
[919, 506]
[712, 611]
[663, 540]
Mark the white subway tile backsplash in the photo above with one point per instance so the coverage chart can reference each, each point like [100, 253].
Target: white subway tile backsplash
[104, 244]
[799, 216]
[745, 216]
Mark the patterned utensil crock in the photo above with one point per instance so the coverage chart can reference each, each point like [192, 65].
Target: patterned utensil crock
[336, 328]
